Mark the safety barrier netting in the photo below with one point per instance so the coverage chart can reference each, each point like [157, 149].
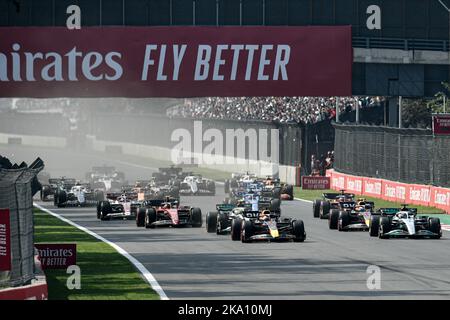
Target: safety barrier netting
[406, 155]
[17, 187]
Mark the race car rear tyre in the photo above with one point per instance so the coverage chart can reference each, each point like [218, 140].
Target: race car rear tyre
[99, 196]
[99, 203]
[435, 227]
[45, 191]
[385, 227]
[105, 209]
[211, 222]
[316, 208]
[374, 227]
[150, 218]
[275, 204]
[276, 193]
[324, 209]
[62, 199]
[140, 217]
[343, 221]
[196, 218]
[298, 229]
[289, 190]
[247, 231]
[236, 226]
[333, 219]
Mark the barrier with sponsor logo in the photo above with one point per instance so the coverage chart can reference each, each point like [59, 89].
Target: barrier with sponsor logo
[5, 241]
[391, 190]
[315, 183]
[57, 255]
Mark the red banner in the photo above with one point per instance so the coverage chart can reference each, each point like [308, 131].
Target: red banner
[315, 183]
[5, 240]
[441, 124]
[175, 61]
[392, 191]
[57, 256]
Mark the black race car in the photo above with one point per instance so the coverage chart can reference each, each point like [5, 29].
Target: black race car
[322, 207]
[351, 216]
[269, 226]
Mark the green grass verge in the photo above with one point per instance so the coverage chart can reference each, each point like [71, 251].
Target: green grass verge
[105, 274]
[379, 203]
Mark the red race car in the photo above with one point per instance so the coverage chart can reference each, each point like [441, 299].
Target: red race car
[168, 213]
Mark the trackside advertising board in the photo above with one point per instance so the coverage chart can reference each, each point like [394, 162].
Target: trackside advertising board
[57, 256]
[175, 61]
[315, 183]
[416, 194]
[441, 124]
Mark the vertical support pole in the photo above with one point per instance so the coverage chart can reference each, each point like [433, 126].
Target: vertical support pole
[217, 12]
[337, 110]
[357, 111]
[240, 12]
[400, 102]
[193, 12]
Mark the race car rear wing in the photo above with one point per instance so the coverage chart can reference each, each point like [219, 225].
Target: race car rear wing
[225, 207]
[332, 196]
[66, 181]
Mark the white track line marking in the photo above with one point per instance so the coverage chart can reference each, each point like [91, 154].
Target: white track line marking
[147, 274]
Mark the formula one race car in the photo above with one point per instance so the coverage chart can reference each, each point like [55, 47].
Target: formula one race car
[50, 186]
[269, 226]
[106, 178]
[342, 200]
[118, 205]
[351, 216]
[168, 212]
[79, 195]
[154, 190]
[197, 185]
[278, 190]
[404, 223]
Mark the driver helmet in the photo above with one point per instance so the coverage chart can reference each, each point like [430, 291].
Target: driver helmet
[264, 215]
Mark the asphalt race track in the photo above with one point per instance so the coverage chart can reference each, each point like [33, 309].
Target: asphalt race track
[190, 263]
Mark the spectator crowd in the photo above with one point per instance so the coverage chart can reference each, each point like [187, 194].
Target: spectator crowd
[320, 165]
[304, 110]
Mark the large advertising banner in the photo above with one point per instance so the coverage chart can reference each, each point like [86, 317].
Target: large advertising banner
[5, 241]
[175, 61]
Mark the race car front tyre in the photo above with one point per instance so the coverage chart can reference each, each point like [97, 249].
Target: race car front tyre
[150, 218]
[236, 226]
[316, 208]
[196, 218]
[344, 220]
[211, 222]
[434, 225]
[247, 231]
[385, 227]
[140, 217]
[374, 227]
[298, 229]
[333, 219]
